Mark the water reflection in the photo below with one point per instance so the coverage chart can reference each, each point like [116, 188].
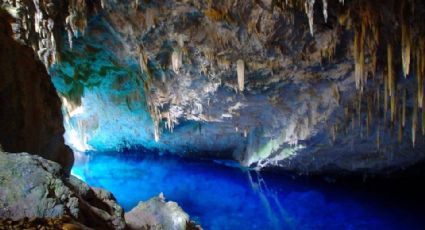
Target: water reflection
[222, 197]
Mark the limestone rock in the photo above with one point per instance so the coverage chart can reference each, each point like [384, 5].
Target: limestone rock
[33, 187]
[157, 214]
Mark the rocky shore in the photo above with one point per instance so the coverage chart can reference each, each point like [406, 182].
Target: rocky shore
[35, 194]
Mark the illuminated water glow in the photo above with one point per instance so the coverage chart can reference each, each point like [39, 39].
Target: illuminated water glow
[221, 197]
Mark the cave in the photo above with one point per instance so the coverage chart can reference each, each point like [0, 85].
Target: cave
[201, 114]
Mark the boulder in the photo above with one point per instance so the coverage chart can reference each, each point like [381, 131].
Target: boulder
[157, 213]
[33, 187]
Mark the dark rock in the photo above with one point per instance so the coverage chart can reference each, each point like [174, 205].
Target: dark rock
[30, 110]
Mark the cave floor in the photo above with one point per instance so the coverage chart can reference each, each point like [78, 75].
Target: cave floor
[219, 196]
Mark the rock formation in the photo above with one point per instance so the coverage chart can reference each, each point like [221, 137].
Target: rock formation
[156, 213]
[30, 109]
[34, 187]
[267, 83]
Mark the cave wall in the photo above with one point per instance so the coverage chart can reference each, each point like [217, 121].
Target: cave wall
[30, 110]
[303, 85]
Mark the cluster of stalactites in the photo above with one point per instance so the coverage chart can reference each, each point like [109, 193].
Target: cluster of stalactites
[401, 106]
[76, 22]
[35, 26]
[38, 22]
[309, 10]
[147, 85]
[366, 35]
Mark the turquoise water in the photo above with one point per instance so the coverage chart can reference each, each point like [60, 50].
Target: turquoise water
[222, 197]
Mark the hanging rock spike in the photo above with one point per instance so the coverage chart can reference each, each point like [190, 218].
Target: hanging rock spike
[325, 10]
[406, 48]
[240, 69]
[309, 10]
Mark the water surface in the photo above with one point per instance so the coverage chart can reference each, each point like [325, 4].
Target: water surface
[222, 197]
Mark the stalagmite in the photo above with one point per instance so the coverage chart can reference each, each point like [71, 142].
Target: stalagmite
[405, 48]
[176, 60]
[240, 66]
[309, 10]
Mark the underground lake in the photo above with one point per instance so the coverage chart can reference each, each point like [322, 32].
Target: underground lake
[212, 114]
[220, 195]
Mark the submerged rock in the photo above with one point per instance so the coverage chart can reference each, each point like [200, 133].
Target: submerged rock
[35, 187]
[156, 213]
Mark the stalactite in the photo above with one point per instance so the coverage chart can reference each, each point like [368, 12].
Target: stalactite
[169, 123]
[325, 10]
[393, 106]
[359, 57]
[369, 114]
[378, 138]
[403, 113]
[414, 123]
[143, 60]
[377, 101]
[386, 95]
[334, 131]
[400, 128]
[150, 16]
[240, 66]
[420, 70]
[156, 116]
[390, 70]
[309, 10]
[176, 60]
[359, 109]
[406, 48]
[76, 22]
[423, 118]
[391, 81]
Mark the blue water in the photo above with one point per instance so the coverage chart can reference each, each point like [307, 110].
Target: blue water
[222, 197]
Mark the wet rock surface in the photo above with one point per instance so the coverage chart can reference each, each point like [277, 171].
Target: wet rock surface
[157, 213]
[32, 187]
